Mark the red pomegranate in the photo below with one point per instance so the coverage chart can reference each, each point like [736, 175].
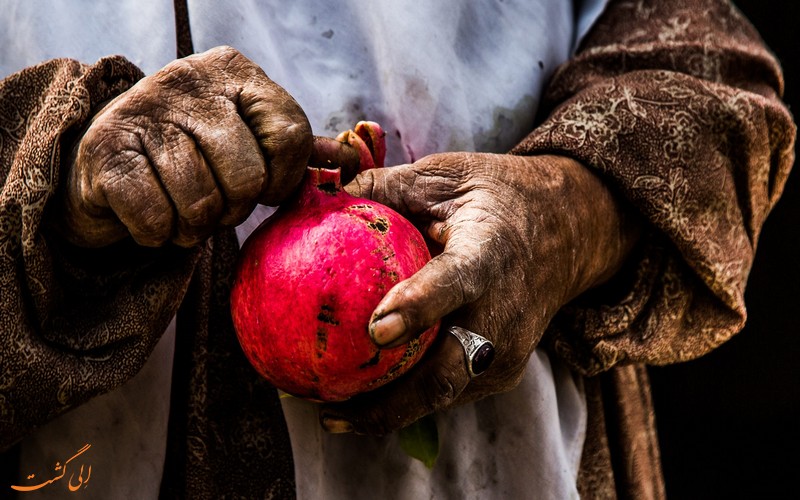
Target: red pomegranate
[309, 278]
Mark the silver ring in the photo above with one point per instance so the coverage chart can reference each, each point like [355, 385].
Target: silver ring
[479, 351]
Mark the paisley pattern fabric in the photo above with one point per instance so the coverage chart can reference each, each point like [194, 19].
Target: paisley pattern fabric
[73, 324]
[676, 104]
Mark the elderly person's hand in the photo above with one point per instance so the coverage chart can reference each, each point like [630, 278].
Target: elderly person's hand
[521, 236]
[185, 151]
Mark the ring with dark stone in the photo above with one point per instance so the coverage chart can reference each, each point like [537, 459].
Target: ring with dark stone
[479, 351]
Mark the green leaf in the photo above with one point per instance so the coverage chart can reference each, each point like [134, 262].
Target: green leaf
[420, 440]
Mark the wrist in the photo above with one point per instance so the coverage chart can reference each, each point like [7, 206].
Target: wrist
[601, 230]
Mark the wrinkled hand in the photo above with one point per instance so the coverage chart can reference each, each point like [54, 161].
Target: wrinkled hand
[521, 236]
[189, 149]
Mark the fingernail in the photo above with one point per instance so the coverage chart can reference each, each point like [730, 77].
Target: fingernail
[336, 425]
[388, 328]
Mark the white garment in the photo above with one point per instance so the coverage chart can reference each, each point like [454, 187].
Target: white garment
[472, 83]
[32, 31]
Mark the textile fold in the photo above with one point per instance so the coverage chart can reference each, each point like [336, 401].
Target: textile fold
[676, 105]
[74, 323]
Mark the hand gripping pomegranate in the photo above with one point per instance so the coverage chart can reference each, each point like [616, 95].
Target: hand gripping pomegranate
[309, 278]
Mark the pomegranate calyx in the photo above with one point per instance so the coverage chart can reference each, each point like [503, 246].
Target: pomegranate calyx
[369, 140]
[327, 180]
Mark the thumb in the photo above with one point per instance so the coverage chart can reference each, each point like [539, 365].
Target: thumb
[425, 189]
[388, 186]
[456, 277]
[331, 153]
[392, 186]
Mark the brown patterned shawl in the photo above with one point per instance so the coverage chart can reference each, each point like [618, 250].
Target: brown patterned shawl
[676, 103]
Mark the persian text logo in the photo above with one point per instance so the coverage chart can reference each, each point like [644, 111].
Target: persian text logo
[61, 471]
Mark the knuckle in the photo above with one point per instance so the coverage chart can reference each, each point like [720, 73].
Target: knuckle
[363, 185]
[242, 195]
[108, 141]
[246, 184]
[221, 53]
[201, 212]
[224, 51]
[457, 276]
[468, 285]
[153, 227]
[188, 240]
[228, 59]
[377, 422]
[181, 66]
[282, 134]
[179, 74]
[113, 173]
[505, 380]
[298, 132]
[441, 390]
[236, 213]
[290, 144]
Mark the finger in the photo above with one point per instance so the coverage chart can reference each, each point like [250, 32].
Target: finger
[282, 131]
[411, 189]
[471, 259]
[135, 194]
[434, 383]
[234, 157]
[330, 153]
[386, 186]
[87, 219]
[189, 182]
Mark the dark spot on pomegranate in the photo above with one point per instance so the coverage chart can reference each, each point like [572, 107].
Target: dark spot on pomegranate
[381, 225]
[326, 315]
[412, 348]
[373, 361]
[322, 340]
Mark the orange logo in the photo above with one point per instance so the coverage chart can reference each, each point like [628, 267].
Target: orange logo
[61, 470]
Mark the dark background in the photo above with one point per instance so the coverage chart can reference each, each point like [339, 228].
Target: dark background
[729, 423]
